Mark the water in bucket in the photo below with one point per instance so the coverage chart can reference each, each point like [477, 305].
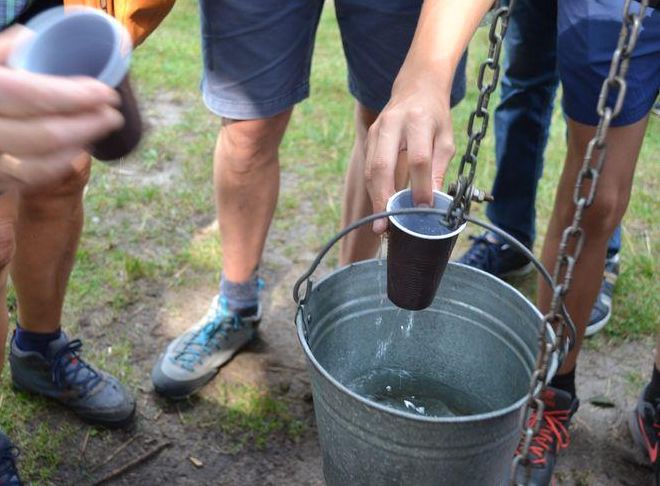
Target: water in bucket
[401, 390]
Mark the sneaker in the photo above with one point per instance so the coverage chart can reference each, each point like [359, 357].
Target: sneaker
[656, 109]
[65, 377]
[8, 455]
[644, 425]
[602, 310]
[195, 357]
[498, 258]
[553, 436]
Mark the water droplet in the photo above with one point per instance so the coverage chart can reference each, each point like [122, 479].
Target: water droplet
[388, 388]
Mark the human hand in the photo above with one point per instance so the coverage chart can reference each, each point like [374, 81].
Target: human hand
[45, 121]
[417, 120]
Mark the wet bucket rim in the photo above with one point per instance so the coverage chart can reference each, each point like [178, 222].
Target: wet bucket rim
[399, 413]
[393, 220]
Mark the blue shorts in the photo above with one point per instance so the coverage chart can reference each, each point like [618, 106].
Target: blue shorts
[587, 34]
[258, 53]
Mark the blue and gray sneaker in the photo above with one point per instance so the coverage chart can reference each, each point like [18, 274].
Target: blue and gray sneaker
[602, 310]
[195, 357]
[8, 455]
[490, 254]
[65, 377]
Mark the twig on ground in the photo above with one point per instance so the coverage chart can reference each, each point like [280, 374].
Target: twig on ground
[117, 451]
[130, 465]
[160, 412]
[84, 444]
[178, 410]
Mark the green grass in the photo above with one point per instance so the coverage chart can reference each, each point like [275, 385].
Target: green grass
[138, 229]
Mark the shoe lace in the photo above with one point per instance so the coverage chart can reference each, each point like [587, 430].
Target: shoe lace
[552, 431]
[69, 369]
[483, 252]
[207, 339]
[8, 463]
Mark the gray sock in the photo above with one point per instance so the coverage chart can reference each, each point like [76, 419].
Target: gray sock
[240, 295]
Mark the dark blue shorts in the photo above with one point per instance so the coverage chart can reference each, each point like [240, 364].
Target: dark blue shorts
[588, 31]
[258, 53]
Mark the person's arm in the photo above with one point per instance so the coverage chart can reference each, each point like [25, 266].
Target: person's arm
[45, 121]
[417, 118]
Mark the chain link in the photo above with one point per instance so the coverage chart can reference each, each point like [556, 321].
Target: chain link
[572, 240]
[489, 74]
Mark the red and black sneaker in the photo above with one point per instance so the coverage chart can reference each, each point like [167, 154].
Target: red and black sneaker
[553, 436]
[644, 426]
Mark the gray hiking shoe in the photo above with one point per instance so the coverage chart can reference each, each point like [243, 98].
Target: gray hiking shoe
[63, 376]
[195, 357]
[602, 310]
[8, 455]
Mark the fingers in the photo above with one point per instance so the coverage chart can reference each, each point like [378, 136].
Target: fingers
[383, 146]
[10, 38]
[23, 94]
[37, 136]
[419, 140]
[443, 152]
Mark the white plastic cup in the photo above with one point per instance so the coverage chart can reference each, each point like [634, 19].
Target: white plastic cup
[77, 41]
[81, 41]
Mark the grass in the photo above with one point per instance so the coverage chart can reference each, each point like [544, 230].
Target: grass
[138, 226]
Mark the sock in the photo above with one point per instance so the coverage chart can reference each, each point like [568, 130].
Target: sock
[240, 296]
[653, 390]
[35, 341]
[565, 382]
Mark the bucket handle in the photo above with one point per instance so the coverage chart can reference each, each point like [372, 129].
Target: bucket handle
[306, 277]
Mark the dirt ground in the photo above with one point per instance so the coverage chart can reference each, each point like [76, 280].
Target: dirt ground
[600, 453]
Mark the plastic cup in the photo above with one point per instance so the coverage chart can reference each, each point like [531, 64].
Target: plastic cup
[419, 247]
[85, 42]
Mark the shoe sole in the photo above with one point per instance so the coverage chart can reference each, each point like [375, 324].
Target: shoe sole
[597, 326]
[175, 398]
[518, 272]
[108, 424]
[633, 428]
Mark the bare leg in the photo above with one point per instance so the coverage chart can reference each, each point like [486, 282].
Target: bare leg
[247, 180]
[47, 233]
[599, 220]
[7, 220]
[657, 350]
[362, 243]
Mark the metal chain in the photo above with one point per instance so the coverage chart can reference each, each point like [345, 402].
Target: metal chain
[489, 74]
[573, 237]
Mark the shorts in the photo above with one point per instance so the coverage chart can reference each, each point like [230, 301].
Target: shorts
[587, 34]
[257, 53]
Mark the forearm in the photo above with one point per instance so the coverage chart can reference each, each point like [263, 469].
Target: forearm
[443, 32]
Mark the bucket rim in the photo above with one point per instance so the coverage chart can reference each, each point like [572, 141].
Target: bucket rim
[518, 404]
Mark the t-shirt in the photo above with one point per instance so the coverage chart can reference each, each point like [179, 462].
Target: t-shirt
[20, 11]
[10, 10]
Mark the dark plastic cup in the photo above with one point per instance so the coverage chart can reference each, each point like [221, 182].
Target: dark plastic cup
[85, 42]
[419, 247]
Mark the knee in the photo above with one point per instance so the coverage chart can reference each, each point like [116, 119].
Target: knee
[69, 187]
[602, 217]
[247, 145]
[7, 244]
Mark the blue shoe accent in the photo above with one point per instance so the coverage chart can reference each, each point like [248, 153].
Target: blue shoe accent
[8, 470]
[194, 358]
[498, 258]
[64, 376]
[602, 310]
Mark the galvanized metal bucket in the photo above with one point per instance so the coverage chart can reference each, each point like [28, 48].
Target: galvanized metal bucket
[478, 339]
